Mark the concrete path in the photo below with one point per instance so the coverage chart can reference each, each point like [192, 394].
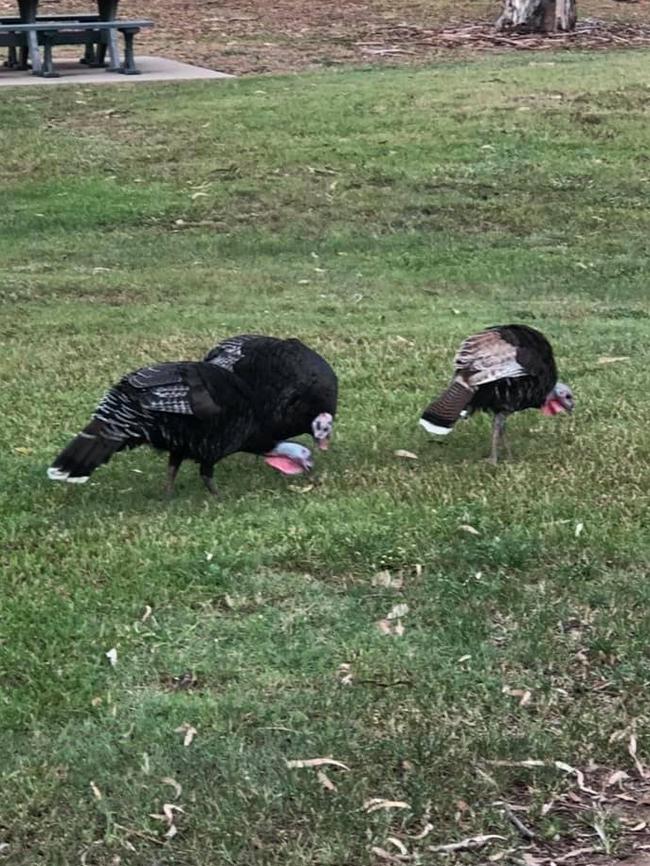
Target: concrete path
[73, 72]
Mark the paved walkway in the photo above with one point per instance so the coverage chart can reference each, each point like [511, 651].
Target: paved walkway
[72, 72]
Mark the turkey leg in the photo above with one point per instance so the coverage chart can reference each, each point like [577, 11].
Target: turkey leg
[172, 471]
[206, 471]
[499, 438]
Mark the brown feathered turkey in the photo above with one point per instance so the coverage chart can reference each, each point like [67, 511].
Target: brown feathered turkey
[501, 370]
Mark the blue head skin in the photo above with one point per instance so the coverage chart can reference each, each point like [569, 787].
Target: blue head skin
[290, 458]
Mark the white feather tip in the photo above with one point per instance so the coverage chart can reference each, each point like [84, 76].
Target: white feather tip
[55, 474]
[434, 429]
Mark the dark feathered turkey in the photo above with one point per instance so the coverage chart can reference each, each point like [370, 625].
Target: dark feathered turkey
[191, 410]
[294, 389]
[504, 369]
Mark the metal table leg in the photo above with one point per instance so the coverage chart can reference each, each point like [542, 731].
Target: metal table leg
[129, 67]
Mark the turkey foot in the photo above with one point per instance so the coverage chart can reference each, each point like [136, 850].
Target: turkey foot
[207, 473]
[173, 466]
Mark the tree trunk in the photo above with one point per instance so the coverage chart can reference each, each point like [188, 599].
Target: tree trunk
[537, 16]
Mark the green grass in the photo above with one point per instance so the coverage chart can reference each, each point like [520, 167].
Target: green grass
[381, 216]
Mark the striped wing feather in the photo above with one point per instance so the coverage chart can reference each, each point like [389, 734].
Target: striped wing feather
[487, 357]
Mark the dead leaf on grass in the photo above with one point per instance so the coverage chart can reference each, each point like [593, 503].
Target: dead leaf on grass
[407, 455]
[612, 359]
[632, 750]
[111, 655]
[315, 762]
[344, 674]
[97, 794]
[189, 732]
[616, 777]
[178, 789]
[465, 527]
[148, 610]
[376, 803]
[577, 852]
[325, 781]
[385, 579]
[470, 844]
[398, 611]
[401, 847]
[386, 855]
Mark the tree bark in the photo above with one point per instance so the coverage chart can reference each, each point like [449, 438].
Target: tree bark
[537, 16]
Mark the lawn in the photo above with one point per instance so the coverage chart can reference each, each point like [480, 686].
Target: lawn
[381, 216]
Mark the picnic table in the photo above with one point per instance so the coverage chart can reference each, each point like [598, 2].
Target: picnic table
[25, 34]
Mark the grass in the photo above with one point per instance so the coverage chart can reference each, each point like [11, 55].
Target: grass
[381, 216]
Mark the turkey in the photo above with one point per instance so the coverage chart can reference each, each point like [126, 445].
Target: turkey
[294, 388]
[191, 410]
[503, 369]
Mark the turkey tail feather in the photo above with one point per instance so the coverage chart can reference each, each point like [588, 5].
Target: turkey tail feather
[79, 459]
[441, 415]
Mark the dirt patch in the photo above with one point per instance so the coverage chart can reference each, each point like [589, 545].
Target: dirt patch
[256, 37]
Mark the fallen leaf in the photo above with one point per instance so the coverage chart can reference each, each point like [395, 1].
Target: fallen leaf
[148, 610]
[384, 626]
[189, 731]
[178, 790]
[376, 803]
[422, 834]
[24, 451]
[612, 359]
[408, 455]
[577, 852]
[382, 578]
[632, 750]
[385, 855]
[315, 762]
[344, 674]
[385, 579]
[398, 611]
[579, 528]
[469, 844]
[96, 792]
[529, 860]
[616, 777]
[401, 847]
[296, 488]
[399, 628]
[325, 781]
[196, 195]
[111, 655]
[465, 527]
[580, 776]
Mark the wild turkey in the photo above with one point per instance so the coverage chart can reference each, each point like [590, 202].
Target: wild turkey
[294, 388]
[501, 370]
[191, 410]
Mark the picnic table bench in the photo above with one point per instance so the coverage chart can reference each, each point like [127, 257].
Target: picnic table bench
[97, 32]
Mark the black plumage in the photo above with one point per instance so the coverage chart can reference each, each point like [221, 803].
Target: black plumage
[192, 411]
[294, 389]
[501, 370]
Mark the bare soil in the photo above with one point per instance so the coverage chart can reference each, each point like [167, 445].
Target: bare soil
[257, 36]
